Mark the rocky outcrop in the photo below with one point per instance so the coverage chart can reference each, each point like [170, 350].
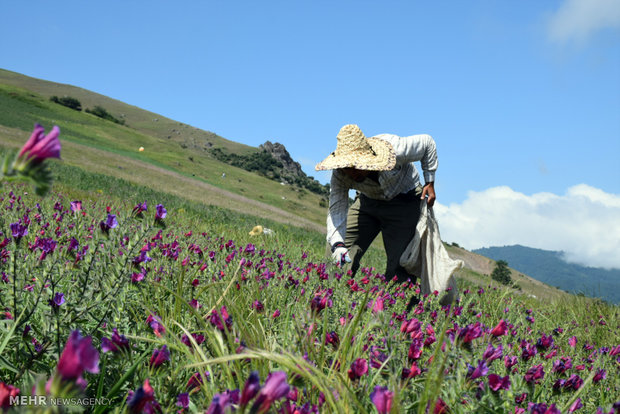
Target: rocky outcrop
[290, 168]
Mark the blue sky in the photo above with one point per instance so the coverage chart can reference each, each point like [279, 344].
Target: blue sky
[522, 98]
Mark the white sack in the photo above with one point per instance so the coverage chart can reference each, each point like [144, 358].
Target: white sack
[427, 258]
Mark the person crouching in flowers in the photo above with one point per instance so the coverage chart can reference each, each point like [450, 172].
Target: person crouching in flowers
[29, 164]
[388, 198]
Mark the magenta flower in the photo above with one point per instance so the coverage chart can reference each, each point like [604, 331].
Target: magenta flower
[500, 329]
[534, 374]
[382, 399]
[542, 408]
[575, 406]
[40, 146]
[78, 356]
[76, 206]
[476, 372]
[470, 332]
[6, 392]
[545, 342]
[275, 388]
[115, 344]
[183, 400]
[415, 349]
[139, 209]
[601, 374]
[258, 306]
[143, 400]
[250, 389]
[155, 323]
[572, 341]
[359, 368]
[491, 353]
[496, 382]
[159, 356]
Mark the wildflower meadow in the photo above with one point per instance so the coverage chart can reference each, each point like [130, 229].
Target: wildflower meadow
[112, 304]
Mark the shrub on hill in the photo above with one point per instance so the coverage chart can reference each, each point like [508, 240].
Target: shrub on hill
[67, 101]
[266, 165]
[501, 273]
[102, 113]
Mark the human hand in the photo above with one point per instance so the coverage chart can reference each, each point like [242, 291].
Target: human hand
[340, 256]
[428, 192]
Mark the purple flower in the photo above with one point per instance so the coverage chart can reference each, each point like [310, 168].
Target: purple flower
[40, 146]
[541, 408]
[601, 374]
[221, 402]
[574, 381]
[155, 323]
[476, 372]
[159, 356]
[275, 388]
[496, 382]
[183, 400]
[108, 224]
[58, 300]
[139, 208]
[258, 306]
[382, 399]
[160, 212]
[359, 368]
[78, 356]
[143, 400]
[76, 206]
[116, 343]
[250, 389]
[18, 230]
[470, 332]
[575, 406]
[534, 374]
[492, 353]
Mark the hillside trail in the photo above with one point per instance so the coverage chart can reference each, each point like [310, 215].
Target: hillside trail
[166, 180]
[212, 195]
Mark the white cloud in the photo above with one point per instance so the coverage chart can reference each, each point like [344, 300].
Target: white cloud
[584, 223]
[577, 20]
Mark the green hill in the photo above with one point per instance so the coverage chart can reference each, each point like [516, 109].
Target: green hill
[550, 268]
[177, 158]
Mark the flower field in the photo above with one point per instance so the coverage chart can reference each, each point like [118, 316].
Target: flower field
[117, 301]
[128, 304]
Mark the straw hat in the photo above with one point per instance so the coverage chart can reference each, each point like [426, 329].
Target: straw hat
[256, 230]
[354, 150]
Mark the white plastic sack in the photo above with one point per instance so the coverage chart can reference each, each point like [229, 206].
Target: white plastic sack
[427, 258]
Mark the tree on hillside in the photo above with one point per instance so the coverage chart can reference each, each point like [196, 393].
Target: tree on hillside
[501, 273]
[67, 101]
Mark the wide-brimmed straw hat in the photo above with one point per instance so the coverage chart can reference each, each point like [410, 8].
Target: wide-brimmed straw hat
[354, 150]
[256, 230]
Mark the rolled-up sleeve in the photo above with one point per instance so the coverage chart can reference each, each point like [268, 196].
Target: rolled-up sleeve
[417, 148]
[338, 208]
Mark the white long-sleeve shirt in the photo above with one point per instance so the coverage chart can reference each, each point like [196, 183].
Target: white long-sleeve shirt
[402, 178]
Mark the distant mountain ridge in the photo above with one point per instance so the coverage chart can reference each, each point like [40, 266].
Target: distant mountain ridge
[549, 267]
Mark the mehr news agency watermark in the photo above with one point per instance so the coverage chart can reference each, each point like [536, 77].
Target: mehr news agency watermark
[45, 401]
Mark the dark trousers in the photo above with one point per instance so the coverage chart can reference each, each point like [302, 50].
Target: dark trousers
[395, 219]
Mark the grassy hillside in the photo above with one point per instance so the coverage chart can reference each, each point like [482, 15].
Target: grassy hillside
[175, 158]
